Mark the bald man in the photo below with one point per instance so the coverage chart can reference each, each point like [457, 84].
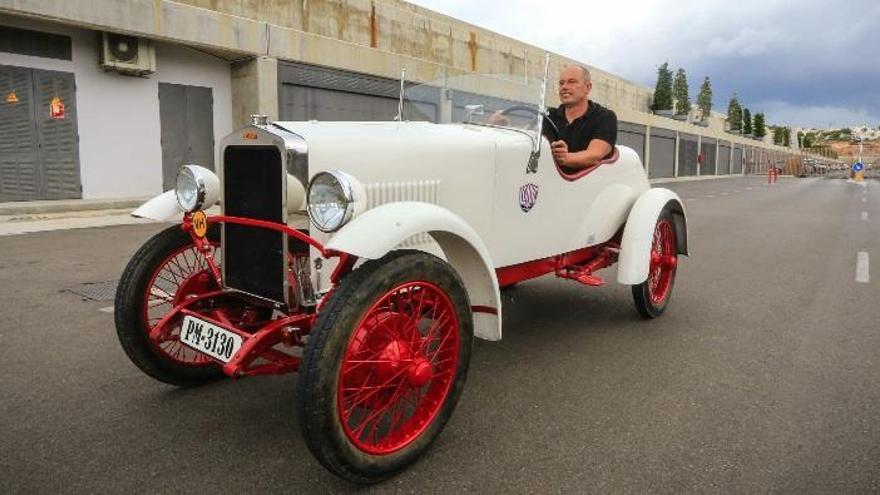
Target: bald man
[587, 130]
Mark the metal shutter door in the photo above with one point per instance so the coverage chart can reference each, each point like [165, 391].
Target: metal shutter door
[662, 154]
[687, 155]
[723, 160]
[19, 177]
[59, 143]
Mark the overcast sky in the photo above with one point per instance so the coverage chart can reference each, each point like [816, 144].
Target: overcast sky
[805, 63]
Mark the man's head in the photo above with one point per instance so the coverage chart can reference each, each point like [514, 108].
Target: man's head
[574, 85]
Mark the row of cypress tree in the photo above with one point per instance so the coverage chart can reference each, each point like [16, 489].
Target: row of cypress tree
[671, 94]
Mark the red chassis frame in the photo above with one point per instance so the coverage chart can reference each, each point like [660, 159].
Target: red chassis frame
[257, 344]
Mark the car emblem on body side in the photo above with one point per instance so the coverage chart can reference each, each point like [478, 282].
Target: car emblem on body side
[528, 196]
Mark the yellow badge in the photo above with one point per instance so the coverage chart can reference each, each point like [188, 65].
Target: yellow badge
[200, 224]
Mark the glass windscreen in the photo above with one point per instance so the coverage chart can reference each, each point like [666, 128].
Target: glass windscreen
[504, 101]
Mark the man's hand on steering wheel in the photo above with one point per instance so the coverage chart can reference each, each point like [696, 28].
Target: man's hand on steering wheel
[500, 118]
[560, 152]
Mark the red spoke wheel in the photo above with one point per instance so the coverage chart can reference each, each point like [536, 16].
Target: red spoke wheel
[384, 365]
[652, 296]
[166, 271]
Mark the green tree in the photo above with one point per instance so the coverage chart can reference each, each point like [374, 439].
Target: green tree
[663, 90]
[704, 99]
[734, 114]
[777, 135]
[680, 92]
[759, 125]
[786, 137]
[747, 121]
[800, 139]
[808, 140]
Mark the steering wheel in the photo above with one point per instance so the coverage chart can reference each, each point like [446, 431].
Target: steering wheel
[550, 130]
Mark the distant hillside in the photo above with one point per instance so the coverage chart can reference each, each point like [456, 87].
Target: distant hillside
[844, 149]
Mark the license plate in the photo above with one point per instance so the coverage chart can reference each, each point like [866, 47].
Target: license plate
[219, 343]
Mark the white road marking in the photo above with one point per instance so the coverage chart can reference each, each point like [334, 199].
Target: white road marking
[865, 216]
[748, 189]
[692, 199]
[710, 196]
[108, 309]
[862, 268]
[736, 190]
[725, 194]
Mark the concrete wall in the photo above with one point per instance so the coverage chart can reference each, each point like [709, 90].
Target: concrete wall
[118, 116]
[375, 37]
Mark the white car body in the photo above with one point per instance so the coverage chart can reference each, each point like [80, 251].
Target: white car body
[453, 190]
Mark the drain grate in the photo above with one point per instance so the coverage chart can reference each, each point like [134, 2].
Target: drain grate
[97, 291]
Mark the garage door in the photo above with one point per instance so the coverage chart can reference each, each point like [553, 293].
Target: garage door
[687, 155]
[662, 154]
[39, 145]
[309, 92]
[723, 159]
[708, 150]
[633, 136]
[736, 166]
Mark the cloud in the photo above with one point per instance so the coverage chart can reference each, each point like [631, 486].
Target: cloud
[809, 54]
[818, 116]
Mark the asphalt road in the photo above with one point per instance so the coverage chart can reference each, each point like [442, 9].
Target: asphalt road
[763, 375]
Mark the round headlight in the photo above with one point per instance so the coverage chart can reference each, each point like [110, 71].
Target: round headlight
[196, 188]
[331, 200]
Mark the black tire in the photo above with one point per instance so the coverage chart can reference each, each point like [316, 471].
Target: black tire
[129, 310]
[322, 360]
[645, 304]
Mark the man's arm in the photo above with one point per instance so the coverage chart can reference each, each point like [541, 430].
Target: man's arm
[599, 147]
[595, 152]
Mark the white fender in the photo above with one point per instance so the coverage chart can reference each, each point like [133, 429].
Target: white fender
[638, 234]
[379, 230]
[164, 207]
[161, 208]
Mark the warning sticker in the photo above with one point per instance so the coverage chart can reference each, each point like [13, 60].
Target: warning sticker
[12, 97]
[56, 108]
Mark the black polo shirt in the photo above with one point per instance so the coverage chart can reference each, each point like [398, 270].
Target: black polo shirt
[597, 123]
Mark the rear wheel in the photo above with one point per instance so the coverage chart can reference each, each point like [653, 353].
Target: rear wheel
[384, 365]
[652, 296]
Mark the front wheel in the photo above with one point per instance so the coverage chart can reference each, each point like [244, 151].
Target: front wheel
[164, 272]
[652, 296]
[384, 365]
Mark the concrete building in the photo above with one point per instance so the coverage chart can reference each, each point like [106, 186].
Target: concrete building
[76, 123]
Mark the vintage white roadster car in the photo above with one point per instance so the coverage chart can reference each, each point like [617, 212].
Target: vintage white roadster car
[366, 256]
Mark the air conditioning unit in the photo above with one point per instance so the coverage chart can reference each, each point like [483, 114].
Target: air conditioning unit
[127, 55]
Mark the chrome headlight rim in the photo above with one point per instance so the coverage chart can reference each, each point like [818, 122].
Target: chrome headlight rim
[345, 185]
[201, 189]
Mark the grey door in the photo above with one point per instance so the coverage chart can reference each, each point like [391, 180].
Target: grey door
[310, 92]
[633, 136]
[687, 154]
[662, 154]
[39, 148]
[724, 160]
[736, 163]
[708, 148]
[59, 143]
[19, 175]
[304, 103]
[186, 114]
